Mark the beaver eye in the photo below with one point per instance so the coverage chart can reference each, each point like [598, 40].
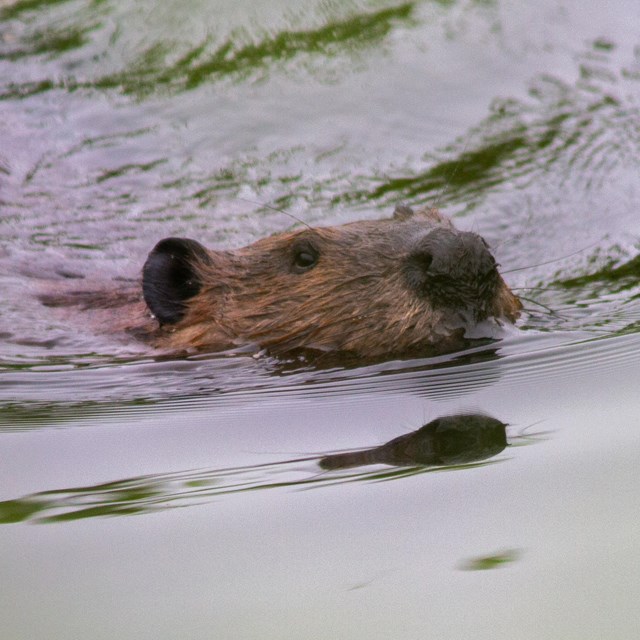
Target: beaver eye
[305, 257]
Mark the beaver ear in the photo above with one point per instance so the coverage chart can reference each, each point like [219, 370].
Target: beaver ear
[402, 212]
[170, 278]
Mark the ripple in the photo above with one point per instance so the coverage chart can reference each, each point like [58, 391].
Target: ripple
[148, 388]
[172, 67]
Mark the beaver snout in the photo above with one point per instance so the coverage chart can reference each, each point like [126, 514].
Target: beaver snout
[454, 270]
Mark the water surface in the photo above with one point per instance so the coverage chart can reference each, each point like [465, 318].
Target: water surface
[192, 497]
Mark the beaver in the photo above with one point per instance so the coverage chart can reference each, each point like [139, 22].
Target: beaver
[411, 283]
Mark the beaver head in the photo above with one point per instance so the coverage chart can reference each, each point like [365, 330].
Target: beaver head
[411, 283]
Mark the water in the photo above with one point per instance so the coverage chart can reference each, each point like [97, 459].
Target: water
[191, 497]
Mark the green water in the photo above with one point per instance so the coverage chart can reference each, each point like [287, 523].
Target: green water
[204, 497]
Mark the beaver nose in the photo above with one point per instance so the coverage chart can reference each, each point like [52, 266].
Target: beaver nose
[453, 269]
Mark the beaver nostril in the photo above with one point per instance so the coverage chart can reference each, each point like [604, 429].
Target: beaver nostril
[417, 269]
[423, 260]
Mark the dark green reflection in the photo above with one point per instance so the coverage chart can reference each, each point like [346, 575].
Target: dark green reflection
[48, 42]
[449, 443]
[494, 561]
[624, 276]
[200, 65]
[480, 167]
[16, 416]
[17, 9]
[563, 129]
[208, 62]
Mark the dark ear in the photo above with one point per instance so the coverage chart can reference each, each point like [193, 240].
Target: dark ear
[169, 277]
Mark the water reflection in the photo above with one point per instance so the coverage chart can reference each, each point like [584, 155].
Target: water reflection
[493, 561]
[447, 441]
[157, 67]
[570, 128]
[456, 442]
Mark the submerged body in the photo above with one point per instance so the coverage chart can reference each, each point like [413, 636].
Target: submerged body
[410, 283]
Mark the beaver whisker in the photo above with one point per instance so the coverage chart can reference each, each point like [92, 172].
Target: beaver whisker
[545, 307]
[278, 210]
[541, 264]
[538, 288]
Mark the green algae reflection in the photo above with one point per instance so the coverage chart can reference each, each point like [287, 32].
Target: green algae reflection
[208, 61]
[450, 443]
[494, 561]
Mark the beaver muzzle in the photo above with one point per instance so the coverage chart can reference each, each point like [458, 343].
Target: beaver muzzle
[454, 270]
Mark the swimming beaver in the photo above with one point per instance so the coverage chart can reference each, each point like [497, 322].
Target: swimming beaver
[408, 284]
